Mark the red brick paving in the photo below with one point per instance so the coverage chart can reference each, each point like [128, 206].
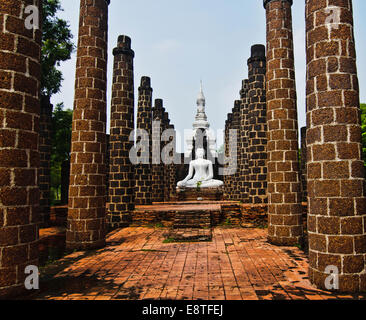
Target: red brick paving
[238, 264]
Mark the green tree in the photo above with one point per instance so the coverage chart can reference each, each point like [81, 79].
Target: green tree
[61, 145]
[363, 124]
[57, 46]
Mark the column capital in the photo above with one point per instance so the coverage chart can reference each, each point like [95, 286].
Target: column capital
[265, 2]
[124, 46]
[258, 53]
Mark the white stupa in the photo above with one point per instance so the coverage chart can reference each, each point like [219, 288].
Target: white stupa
[201, 123]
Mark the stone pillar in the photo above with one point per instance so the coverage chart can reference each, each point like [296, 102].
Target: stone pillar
[65, 181]
[166, 177]
[244, 145]
[336, 221]
[284, 187]
[228, 176]
[257, 125]
[236, 178]
[86, 216]
[121, 170]
[143, 173]
[19, 138]
[45, 149]
[107, 165]
[303, 165]
[172, 181]
[157, 165]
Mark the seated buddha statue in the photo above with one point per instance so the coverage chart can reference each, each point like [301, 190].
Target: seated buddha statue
[200, 173]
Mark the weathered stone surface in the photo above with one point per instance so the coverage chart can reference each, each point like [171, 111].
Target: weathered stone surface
[335, 175]
[87, 194]
[283, 172]
[19, 145]
[121, 170]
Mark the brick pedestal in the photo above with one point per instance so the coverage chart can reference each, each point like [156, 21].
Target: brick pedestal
[257, 125]
[19, 156]
[336, 221]
[143, 173]
[87, 195]
[121, 170]
[284, 188]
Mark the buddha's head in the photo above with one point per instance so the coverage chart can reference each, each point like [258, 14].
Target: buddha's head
[200, 153]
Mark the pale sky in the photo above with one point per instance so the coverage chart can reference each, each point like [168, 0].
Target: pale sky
[179, 42]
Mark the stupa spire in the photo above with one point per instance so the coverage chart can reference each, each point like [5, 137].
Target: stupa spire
[201, 118]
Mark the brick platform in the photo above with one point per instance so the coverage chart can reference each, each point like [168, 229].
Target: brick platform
[239, 264]
[206, 194]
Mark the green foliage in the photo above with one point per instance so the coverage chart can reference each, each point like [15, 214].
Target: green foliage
[363, 124]
[56, 47]
[61, 145]
[198, 188]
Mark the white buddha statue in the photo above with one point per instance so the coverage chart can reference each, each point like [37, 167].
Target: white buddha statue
[203, 176]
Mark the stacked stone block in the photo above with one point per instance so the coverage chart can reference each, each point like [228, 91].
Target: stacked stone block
[336, 221]
[172, 181]
[166, 176]
[228, 170]
[65, 181]
[157, 165]
[244, 143]
[236, 177]
[87, 193]
[143, 173]
[304, 188]
[284, 187]
[19, 139]
[45, 149]
[257, 125]
[121, 170]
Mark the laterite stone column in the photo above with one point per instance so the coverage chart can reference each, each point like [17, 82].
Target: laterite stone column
[166, 176]
[157, 165]
[244, 138]
[229, 172]
[19, 156]
[45, 150]
[257, 125]
[121, 170]
[172, 181]
[87, 193]
[236, 178]
[143, 172]
[284, 186]
[303, 165]
[337, 210]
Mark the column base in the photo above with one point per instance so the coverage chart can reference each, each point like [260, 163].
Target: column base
[350, 283]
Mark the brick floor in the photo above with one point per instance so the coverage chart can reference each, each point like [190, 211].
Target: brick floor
[238, 264]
